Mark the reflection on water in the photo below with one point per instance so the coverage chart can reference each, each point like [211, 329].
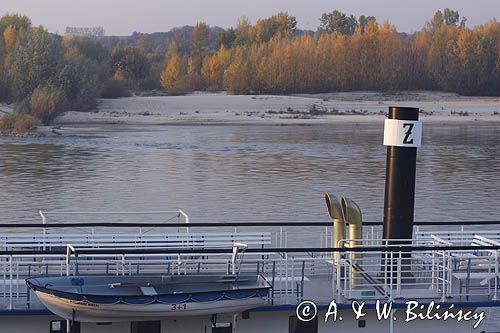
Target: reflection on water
[247, 173]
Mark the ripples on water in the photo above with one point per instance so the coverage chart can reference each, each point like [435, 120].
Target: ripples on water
[247, 173]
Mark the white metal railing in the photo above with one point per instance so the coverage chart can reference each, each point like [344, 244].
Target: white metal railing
[178, 213]
[129, 240]
[393, 275]
[437, 274]
[288, 275]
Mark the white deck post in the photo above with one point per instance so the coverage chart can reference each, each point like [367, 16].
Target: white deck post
[11, 281]
[44, 231]
[496, 276]
[69, 250]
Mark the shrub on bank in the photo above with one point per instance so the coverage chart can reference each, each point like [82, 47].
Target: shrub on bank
[18, 123]
[115, 89]
[46, 102]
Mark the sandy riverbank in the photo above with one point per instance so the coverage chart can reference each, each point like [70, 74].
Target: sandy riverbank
[302, 109]
[204, 108]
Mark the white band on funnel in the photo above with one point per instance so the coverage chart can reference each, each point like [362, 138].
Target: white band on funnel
[402, 133]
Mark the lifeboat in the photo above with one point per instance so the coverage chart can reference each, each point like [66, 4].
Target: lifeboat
[125, 298]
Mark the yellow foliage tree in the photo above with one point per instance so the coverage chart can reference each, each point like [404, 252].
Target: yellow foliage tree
[10, 36]
[390, 53]
[173, 70]
[416, 67]
[199, 51]
[237, 75]
[46, 102]
[214, 67]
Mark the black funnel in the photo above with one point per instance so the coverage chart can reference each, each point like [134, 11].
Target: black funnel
[402, 136]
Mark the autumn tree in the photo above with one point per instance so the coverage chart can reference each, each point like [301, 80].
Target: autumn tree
[237, 75]
[443, 65]
[415, 63]
[10, 37]
[243, 30]
[301, 65]
[347, 53]
[199, 50]
[390, 54]
[475, 57]
[214, 67]
[46, 102]
[173, 70]
[268, 62]
[336, 66]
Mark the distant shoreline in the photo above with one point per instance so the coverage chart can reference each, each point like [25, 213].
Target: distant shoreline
[204, 109]
[220, 108]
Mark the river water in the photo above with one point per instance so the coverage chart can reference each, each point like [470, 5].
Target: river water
[247, 173]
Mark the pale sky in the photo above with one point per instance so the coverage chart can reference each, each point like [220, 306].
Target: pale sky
[122, 17]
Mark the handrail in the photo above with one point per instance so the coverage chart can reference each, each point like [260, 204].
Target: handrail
[179, 213]
[393, 248]
[224, 224]
[111, 213]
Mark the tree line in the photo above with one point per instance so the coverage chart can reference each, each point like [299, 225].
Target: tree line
[45, 74]
[344, 54]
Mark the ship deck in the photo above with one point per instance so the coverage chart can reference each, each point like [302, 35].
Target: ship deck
[456, 265]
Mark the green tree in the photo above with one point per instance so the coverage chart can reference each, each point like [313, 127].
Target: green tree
[337, 21]
[80, 83]
[448, 17]
[4, 89]
[280, 24]
[131, 65]
[451, 17]
[14, 27]
[90, 48]
[436, 22]
[19, 22]
[225, 39]
[36, 60]
[364, 20]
